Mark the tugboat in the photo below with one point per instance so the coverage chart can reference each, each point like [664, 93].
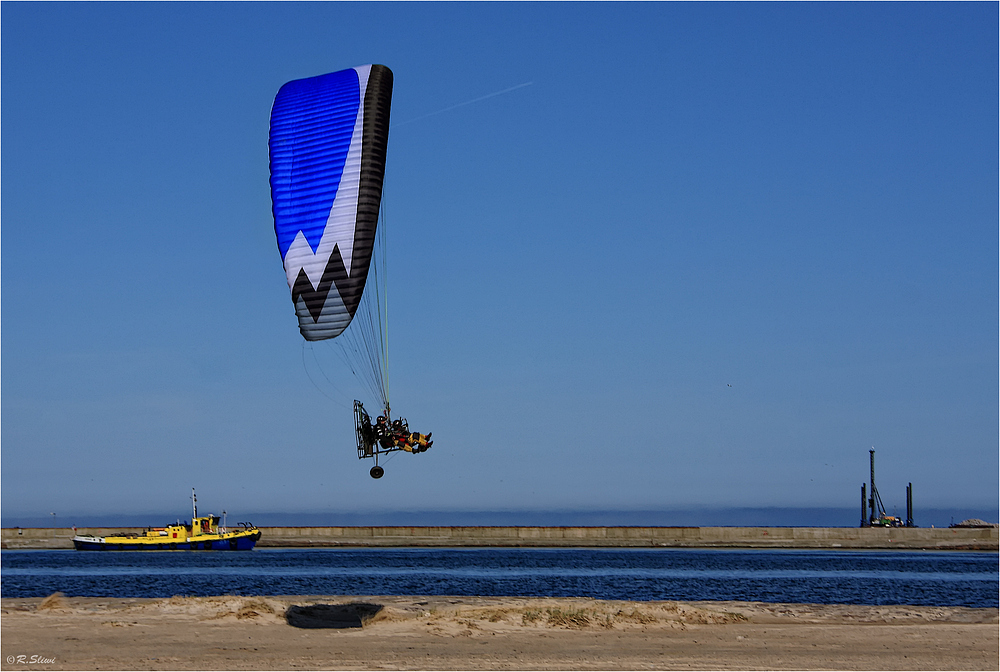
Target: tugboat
[203, 533]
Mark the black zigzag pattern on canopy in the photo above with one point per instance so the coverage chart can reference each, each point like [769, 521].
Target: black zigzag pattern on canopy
[335, 273]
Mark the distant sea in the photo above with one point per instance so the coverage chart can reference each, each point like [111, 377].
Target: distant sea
[942, 578]
[724, 517]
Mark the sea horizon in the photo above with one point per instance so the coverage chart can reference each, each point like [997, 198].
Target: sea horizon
[699, 517]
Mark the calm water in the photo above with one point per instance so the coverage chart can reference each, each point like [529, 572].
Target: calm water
[843, 577]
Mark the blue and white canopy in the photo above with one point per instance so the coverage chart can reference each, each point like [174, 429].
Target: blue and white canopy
[327, 149]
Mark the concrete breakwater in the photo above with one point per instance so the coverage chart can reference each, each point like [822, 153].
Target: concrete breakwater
[974, 539]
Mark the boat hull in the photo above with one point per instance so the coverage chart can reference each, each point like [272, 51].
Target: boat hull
[243, 542]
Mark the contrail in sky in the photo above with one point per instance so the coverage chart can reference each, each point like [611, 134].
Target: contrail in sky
[468, 102]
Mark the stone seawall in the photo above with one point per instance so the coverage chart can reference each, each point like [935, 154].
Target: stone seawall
[977, 539]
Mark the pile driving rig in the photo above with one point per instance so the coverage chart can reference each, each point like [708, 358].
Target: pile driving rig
[873, 504]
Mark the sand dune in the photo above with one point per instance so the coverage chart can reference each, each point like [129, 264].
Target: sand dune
[378, 632]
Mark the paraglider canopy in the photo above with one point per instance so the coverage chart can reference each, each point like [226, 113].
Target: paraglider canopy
[327, 147]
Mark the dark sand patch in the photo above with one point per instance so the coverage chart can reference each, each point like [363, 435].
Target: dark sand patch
[336, 616]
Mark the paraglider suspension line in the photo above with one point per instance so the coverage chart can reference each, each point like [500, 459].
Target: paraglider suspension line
[364, 345]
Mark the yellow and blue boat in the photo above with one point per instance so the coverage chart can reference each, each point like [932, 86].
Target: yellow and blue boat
[203, 533]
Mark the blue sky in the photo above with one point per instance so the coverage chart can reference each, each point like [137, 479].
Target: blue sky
[708, 257]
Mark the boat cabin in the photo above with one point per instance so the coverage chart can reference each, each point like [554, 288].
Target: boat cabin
[199, 526]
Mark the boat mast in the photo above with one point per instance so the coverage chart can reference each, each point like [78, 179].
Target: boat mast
[194, 504]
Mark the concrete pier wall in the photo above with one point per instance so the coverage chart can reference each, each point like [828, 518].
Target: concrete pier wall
[978, 539]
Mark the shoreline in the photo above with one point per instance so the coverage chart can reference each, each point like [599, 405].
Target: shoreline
[452, 632]
[848, 538]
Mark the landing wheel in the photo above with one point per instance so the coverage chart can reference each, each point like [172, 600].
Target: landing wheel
[377, 471]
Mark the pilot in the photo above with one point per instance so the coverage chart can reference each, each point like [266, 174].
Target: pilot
[411, 442]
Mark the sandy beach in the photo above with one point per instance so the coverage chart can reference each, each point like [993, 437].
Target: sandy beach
[472, 633]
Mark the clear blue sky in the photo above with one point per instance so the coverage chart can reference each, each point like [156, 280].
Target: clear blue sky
[707, 258]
